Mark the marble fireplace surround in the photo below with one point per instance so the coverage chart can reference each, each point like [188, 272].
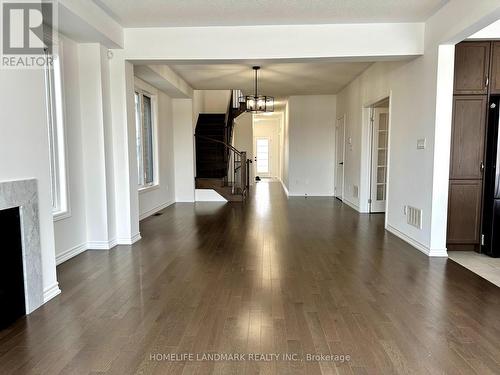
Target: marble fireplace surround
[24, 194]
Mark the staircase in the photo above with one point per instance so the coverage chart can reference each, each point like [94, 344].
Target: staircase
[219, 166]
[210, 156]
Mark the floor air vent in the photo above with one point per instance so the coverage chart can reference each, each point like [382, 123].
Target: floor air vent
[158, 214]
[414, 216]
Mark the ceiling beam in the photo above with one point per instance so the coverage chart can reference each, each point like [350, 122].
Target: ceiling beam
[85, 22]
[340, 41]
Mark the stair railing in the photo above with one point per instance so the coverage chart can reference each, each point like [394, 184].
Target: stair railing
[238, 173]
[232, 109]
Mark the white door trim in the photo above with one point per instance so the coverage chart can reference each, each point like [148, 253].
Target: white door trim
[342, 192]
[374, 205]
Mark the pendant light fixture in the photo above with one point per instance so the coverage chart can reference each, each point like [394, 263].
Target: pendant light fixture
[258, 103]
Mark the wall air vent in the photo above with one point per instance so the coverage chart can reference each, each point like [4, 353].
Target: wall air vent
[414, 216]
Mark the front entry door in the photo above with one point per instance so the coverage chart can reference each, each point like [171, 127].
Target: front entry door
[380, 131]
[262, 167]
[339, 158]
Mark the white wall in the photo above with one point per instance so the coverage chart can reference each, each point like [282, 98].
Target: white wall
[371, 86]
[24, 152]
[285, 147]
[198, 106]
[243, 137]
[184, 150]
[124, 149]
[421, 104]
[269, 127]
[410, 180]
[161, 195]
[70, 233]
[489, 32]
[311, 145]
[210, 101]
[97, 138]
[124, 143]
[73, 234]
[215, 101]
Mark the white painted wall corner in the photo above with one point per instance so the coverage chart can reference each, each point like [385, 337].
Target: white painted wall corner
[51, 292]
[155, 210]
[417, 245]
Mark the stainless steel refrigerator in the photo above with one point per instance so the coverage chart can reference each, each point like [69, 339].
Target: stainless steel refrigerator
[491, 203]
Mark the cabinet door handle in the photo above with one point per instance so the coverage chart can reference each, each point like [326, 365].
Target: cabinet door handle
[487, 81]
[482, 166]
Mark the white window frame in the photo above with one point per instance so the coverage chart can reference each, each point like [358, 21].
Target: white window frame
[54, 89]
[142, 89]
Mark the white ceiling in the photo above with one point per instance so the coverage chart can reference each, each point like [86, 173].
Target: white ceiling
[276, 79]
[149, 13]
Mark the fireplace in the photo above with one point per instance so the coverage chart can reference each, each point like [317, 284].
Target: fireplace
[11, 268]
[21, 280]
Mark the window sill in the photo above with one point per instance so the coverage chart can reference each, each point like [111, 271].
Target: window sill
[61, 215]
[146, 189]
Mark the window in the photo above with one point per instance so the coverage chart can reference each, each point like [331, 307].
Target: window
[145, 139]
[57, 144]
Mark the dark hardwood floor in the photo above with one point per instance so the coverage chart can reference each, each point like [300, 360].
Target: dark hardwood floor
[292, 276]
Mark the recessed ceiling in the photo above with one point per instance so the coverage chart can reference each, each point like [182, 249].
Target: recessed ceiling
[151, 13]
[277, 79]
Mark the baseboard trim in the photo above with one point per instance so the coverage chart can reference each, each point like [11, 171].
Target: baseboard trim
[51, 292]
[352, 205]
[312, 195]
[417, 245]
[129, 240]
[284, 188]
[70, 253]
[102, 245]
[95, 245]
[155, 210]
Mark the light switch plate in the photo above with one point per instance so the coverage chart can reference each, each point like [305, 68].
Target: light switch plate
[421, 144]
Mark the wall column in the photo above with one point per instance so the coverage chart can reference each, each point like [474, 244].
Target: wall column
[123, 145]
[96, 138]
[183, 149]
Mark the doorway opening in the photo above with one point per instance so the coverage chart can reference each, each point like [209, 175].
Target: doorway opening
[339, 158]
[262, 156]
[266, 146]
[379, 151]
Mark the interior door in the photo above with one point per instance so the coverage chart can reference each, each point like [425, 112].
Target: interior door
[339, 158]
[262, 157]
[380, 132]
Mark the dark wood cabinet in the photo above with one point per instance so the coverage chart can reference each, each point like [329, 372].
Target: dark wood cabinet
[468, 136]
[464, 212]
[472, 85]
[471, 68]
[495, 69]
